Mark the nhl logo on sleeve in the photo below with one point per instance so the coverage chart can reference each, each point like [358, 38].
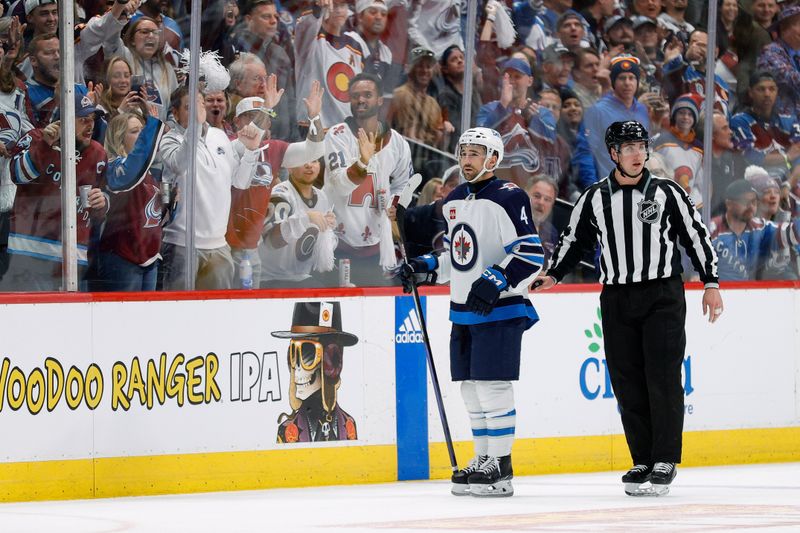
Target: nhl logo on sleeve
[649, 211]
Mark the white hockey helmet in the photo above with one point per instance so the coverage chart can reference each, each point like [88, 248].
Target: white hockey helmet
[484, 137]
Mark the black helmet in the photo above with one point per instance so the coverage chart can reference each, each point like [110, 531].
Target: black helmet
[625, 132]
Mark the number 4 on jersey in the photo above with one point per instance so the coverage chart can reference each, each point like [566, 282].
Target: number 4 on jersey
[522, 216]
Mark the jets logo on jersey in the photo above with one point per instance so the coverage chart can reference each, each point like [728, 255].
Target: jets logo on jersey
[338, 80]
[463, 247]
[508, 187]
[649, 211]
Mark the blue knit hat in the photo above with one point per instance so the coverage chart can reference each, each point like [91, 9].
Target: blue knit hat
[622, 64]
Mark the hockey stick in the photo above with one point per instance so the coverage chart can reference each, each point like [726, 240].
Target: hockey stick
[402, 204]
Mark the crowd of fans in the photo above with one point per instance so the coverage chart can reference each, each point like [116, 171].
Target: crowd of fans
[313, 114]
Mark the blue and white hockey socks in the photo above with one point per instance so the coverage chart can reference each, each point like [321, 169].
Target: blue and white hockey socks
[497, 402]
[469, 393]
[490, 405]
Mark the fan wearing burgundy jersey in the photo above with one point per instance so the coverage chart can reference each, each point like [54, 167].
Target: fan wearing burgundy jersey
[35, 239]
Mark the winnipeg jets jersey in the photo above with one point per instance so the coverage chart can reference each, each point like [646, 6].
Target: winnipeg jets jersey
[356, 207]
[490, 223]
[292, 262]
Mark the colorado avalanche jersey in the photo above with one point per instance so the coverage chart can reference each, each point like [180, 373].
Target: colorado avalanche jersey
[687, 160]
[292, 262]
[356, 207]
[249, 206]
[133, 225]
[490, 223]
[36, 223]
[332, 59]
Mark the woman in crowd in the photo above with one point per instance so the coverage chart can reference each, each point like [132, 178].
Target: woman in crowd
[131, 240]
[143, 48]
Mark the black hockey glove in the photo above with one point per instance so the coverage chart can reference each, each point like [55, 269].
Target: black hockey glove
[419, 271]
[486, 290]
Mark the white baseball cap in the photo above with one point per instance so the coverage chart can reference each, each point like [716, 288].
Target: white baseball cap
[251, 103]
[30, 5]
[363, 5]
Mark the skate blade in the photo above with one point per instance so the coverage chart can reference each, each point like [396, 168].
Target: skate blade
[459, 489]
[501, 489]
[643, 490]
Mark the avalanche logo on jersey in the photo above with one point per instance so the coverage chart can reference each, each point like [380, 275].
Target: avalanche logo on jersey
[304, 248]
[152, 211]
[463, 247]
[520, 150]
[263, 174]
[649, 211]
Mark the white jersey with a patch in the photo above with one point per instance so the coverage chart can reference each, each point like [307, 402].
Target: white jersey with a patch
[294, 261]
[490, 224]
[356, 207]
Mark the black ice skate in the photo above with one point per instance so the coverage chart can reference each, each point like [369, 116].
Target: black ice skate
[493, 478]
[656, 483]
[635, 478]
[460, 479]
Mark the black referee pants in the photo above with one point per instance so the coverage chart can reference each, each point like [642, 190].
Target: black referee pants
[645, 340]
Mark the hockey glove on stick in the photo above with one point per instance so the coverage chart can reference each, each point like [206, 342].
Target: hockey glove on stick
[420, 270]
[486, 290]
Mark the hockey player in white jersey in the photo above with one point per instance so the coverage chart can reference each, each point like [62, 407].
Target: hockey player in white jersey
[367, 166]
[492, 253]
[298, 233]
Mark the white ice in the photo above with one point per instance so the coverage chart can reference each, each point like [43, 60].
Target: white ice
[742, 498]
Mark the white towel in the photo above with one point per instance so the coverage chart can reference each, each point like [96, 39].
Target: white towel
[388, 259]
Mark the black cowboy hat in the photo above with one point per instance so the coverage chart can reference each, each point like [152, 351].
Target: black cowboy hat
[317, 320]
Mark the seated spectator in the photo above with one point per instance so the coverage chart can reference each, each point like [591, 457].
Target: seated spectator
[451, 96]
[779, 58]
[414, 113]
[765, 136]
[298, 235]
[744, 242]
[219, 166]
[249, 207]
[619, 104]
[323, 53]
[131, 241]
[681, 149]
[528, 130]
[368, 164]
[217, 104]
[144, 50]
[543, 192]
[686, 73]
[117, 96]
[35, 239]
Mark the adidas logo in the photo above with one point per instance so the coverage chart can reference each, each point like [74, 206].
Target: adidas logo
[410, 330]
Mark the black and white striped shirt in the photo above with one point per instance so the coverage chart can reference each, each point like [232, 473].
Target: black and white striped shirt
[638, 227]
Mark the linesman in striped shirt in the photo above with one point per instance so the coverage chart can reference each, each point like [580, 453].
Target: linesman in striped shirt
[638, 220]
